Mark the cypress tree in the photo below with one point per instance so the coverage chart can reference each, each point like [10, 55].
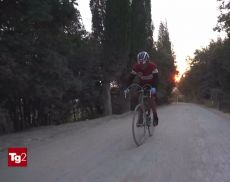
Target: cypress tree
[165, 63]
[97, 8]
[141, 28]
[115, 45]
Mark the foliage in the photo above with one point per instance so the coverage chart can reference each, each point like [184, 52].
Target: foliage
[141, 30]
[51, 69]
[224, 17]
[98, 10]
[34, 42]
[116, 42]
[165, 61]
[209, 75]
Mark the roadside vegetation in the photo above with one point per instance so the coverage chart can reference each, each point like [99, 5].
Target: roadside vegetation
[208, 80]
[52, 71]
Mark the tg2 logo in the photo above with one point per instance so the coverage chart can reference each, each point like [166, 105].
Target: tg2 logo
[17, 157]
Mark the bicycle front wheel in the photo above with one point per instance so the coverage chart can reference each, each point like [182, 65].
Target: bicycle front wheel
[139, 125]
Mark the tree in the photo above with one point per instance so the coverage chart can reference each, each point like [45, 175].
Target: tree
[98, 19]
[209, 74]
[115, 45]
[224, 17]
[165, 60]
[34, 39]
[141, 28]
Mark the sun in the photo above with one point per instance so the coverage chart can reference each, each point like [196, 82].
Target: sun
[181, 67]
[177, 78]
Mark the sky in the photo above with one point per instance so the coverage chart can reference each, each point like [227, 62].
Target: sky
[190, 24]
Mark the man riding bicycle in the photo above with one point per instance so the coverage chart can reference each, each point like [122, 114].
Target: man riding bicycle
[147, 73]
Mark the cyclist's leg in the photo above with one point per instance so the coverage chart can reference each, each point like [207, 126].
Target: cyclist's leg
[153, 107]
[153, 103]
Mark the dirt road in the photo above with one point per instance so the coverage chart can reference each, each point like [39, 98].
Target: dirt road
[191, 144]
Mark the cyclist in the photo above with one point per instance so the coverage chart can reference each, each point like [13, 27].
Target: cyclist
[147, 73]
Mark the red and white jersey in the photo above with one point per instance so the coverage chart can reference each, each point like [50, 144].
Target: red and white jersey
[145, 74]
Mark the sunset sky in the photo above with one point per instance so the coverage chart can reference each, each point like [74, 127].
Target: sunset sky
[190, 24]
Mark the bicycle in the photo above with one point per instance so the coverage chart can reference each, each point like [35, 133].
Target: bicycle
[141, 112]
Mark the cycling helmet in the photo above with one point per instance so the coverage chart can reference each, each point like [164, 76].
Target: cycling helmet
[142, 57]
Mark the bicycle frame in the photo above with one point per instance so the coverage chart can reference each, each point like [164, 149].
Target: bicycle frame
[141, 111]
[142, 96]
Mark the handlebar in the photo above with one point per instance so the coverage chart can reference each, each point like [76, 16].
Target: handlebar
[141, 89]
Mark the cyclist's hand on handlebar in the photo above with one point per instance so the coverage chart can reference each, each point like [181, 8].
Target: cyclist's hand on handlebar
[153, 90]
[126, 91]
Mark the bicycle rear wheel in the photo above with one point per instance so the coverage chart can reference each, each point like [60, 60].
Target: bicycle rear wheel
[139, 131]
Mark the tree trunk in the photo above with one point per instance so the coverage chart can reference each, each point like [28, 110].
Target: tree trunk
[106, 96]
[21, 113]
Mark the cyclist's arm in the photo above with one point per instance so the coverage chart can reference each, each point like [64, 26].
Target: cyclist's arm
[130, 78]
[156, 80]
[132, 75]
